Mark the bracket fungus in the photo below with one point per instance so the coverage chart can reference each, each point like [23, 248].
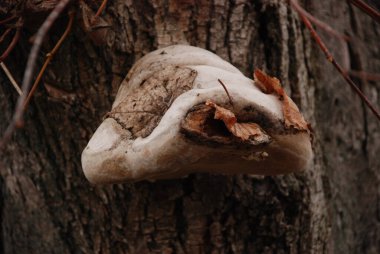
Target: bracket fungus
[172, 117]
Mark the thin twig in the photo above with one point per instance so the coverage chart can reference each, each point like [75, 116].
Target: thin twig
[49, 57]
[13, 43]
[18, 115]
[10, 77]
[364, 75]
[100, 10]
[7, 19]
[2, 37]
[369, 10]
[323, 25]
[225, 89]
[331, 59]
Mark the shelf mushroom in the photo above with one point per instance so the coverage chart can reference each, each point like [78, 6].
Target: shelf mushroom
[182, 109]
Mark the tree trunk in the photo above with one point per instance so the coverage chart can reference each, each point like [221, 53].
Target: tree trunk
[47, 205]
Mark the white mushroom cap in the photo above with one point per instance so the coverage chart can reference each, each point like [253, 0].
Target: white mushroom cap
[116, 153]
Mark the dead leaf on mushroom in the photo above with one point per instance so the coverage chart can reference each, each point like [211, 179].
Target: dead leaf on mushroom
[271, 85]
[268, 84]
[244, 131]
[191, 134]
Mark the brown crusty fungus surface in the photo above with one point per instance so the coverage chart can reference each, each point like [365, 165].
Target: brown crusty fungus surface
[172, 117]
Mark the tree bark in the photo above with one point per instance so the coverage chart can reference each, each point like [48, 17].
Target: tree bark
[47, 206]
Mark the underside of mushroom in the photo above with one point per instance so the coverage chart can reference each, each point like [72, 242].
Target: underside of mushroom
[182, 109]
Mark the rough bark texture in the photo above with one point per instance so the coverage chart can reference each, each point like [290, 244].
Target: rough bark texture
[47, 206]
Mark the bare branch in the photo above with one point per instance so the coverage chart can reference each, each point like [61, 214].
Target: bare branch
[323, 25]
[15, 39]
[10, 77]
[367, 9]
[49, 57]
[364, 75]
[101, 8]
[18, 115]
[6, 20]
[331, 59]
[2, 37]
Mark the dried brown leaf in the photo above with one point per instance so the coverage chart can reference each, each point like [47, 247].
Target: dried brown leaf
[223, 114]
[250, 131]
[292, 116]
[271, 85]
[245, 131]
[268, 84]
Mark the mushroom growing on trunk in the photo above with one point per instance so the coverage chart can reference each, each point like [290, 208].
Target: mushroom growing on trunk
[183, 109]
